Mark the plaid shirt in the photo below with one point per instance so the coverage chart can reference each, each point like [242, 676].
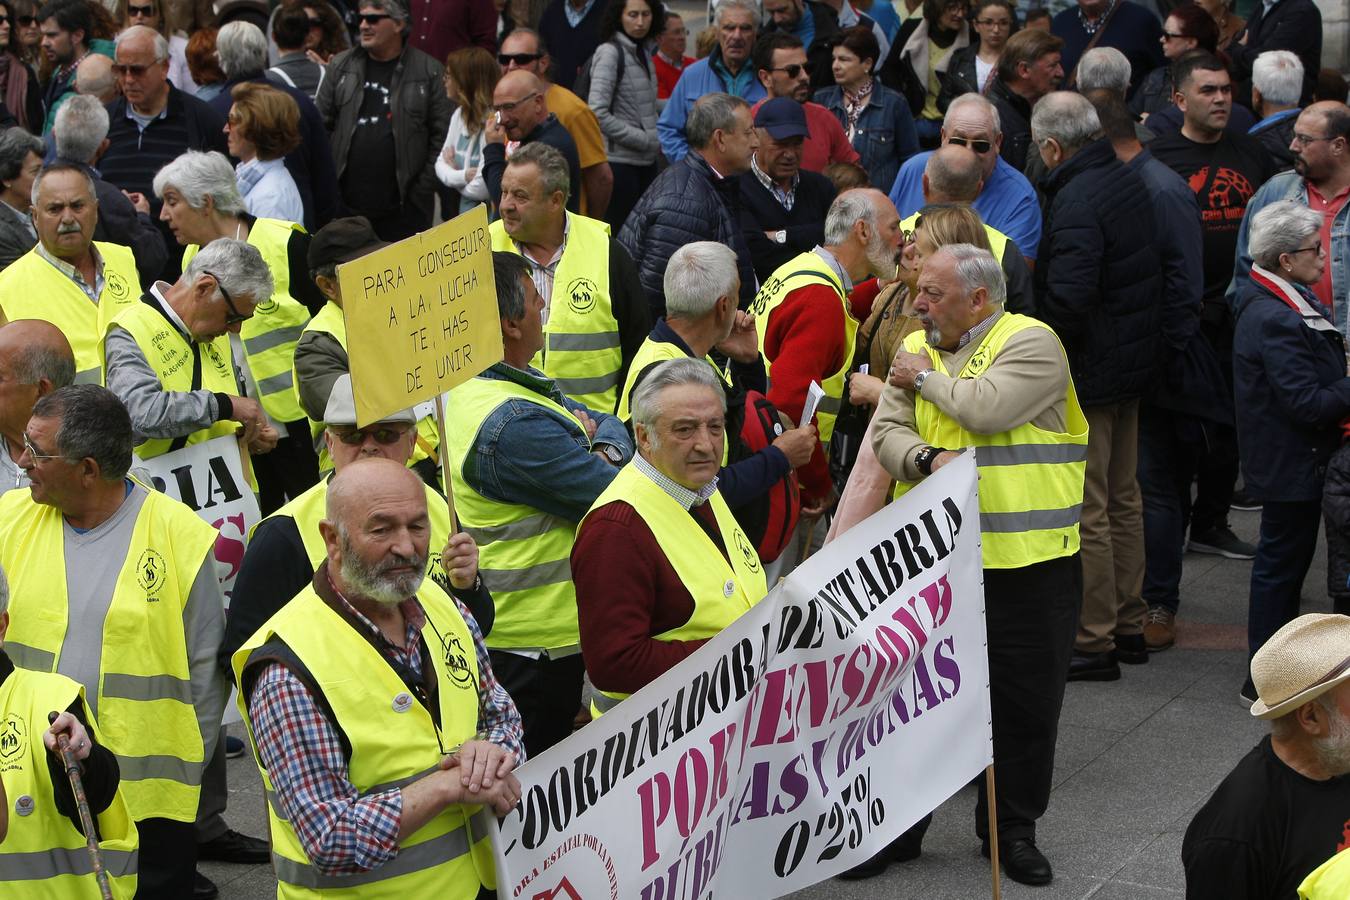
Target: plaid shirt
[342, 831]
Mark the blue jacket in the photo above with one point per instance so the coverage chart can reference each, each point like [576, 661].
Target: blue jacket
[1099, 283]
[1291, 186]
[1291, 390]
[885, 137]
[525, 454]
[707, 76]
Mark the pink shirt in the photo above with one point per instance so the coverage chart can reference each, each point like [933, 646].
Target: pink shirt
[826, 142]
[1329, 210]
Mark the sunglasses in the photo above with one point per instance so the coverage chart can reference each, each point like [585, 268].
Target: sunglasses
[140, 11]
[1169, 36]
[233, 316]
[792, 70]
[520, 59]
[384, 434]
[978, 146]
[120, 70]
[372, 18]
[25, 21]
[316, 23]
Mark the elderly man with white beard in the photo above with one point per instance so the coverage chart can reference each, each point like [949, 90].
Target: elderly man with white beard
[373, 712]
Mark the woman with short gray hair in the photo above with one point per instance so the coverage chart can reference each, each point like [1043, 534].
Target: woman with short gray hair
[20, 163]
[202, 205]
[1292, 393]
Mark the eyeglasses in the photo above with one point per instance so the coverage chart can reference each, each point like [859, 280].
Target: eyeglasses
[520, 59]
[978, 146]
[510, 107]
[792, 70]
[121, 71]
[1306, 139]
[233, 316]
[140, 11]
[1315, 248]
[994, 23]
[384, 434]
[38, 457]
[372, 18]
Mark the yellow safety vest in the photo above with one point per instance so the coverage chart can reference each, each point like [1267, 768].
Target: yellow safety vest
[269, 336]
[800, 271]
[329, 321]
[43, 855]
[659, 351]
[394, 742]
[721, 590]
[145, 687]
[1329, 881]
[524, 554]
[1031, 480]
[581, 337]
[309, 508]
[32, 288]
[180, 366]
[997, 239]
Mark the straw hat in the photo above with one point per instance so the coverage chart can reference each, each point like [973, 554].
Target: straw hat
[1303, 660]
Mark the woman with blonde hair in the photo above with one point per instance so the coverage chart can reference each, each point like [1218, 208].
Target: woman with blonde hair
[471, 75]
[262, 127]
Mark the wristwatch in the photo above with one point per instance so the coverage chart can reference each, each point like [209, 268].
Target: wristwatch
[920, 379]
[612, 453]
[923, 460]
[780, 237]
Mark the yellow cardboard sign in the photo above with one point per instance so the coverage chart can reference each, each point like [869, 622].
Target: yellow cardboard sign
[421, 316]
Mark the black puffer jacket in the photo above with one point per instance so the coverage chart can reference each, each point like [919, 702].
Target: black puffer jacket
[687, 202]
[1099, 282]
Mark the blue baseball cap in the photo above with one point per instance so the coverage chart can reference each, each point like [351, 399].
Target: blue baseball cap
[782, 118]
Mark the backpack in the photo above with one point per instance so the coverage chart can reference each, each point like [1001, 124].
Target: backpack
[582, 86]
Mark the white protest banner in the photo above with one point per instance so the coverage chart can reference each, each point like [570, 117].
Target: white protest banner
[209, 477]
[828, 719]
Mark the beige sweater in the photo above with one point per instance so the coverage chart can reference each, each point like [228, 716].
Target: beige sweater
[1025, 383]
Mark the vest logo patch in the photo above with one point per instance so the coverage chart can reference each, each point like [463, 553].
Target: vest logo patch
[978, 362]
[748, 552]
[151, 570]
[24, 806]
[456, 663]
[269, 306]
[581, 295]
[12, 740]
[116, 286]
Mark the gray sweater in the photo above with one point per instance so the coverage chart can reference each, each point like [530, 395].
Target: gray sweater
[627, 115]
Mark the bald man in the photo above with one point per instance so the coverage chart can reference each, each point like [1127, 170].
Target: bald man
[521, 115]
[94, 77]
[371, 625]
[35, 359]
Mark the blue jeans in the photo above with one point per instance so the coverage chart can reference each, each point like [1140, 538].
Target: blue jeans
[1283, 555]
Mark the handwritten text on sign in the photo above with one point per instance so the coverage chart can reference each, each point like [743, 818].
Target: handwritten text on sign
[795, 744]
[421, 316]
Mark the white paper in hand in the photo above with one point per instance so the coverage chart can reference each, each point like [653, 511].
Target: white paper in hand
[814, 394]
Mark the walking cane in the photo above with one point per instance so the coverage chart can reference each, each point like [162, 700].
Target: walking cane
[72, 766]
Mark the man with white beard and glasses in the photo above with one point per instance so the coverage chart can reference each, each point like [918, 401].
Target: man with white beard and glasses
[372, 676]
[1284, 810]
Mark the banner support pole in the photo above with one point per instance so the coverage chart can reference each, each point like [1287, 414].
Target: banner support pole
[993, 829]
[445, 462]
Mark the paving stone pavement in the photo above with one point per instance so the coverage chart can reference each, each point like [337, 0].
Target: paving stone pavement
[1135, 759]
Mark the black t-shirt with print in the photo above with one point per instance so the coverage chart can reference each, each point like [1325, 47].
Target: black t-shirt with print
[1264, 830]
[370, 180]
[1224, 176]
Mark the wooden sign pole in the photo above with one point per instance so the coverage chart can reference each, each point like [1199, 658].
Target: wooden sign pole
[993, 827]
[445, 462]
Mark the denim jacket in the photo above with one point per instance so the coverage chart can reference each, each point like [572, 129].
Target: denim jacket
[526, 454]
[885, 137]
[1291, 186]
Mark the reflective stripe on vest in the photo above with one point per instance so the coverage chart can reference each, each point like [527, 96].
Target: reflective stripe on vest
[998, 241]
[448, 857]
[329, 321]
[581, 353]
[32, 288]
[308, 510]
[172, 358]
[146, 721]
[722, 590]
[269, 335]
[802, 270]
[42, 845]
[524, 554]
[1031, 480]
[659, 351]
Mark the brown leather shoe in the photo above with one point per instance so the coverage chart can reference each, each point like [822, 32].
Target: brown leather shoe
[1160, 628]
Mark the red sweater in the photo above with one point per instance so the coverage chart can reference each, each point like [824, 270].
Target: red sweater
[667, 75]
[627, 592]
[805, 341]
[826, 141]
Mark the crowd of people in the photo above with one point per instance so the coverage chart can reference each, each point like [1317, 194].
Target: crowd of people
[1100, 246]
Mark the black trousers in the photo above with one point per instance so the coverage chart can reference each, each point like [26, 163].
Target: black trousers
[287, 470]
[168, 859]
[1031, 615]
[547, 692]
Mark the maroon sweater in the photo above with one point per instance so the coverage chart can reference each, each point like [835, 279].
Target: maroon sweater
[628, 592]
